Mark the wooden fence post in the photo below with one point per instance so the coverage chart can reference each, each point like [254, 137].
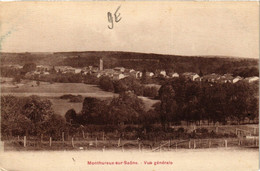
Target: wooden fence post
[24, 141]
[72, 142]
[216, 129]
[169, 145]
[176, 145]
[103, 136]
[83, 134]
[41, 138]
[18, 138]
[118, 144]
[139, 146]
[225, 143]
[194, 145]
[96, 142]
[63, 137]
[50, 141]
[236, 131]
[189, 144]
[209, 143]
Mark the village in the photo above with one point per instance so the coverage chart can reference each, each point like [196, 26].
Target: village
[118, 73]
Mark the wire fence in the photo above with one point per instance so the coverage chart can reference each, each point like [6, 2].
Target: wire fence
[24, 143]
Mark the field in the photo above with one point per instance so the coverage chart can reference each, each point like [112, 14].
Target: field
[55, 90]
[27, 88]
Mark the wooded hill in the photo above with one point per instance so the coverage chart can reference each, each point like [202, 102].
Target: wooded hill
[244, 67]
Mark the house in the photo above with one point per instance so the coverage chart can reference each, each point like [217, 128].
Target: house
[163, 73]
[118, 76]
[119, 69]
[131, 70]
[212, 78]
[149, 74]
[174, 75]
[136, 74]
[29, 74]
[77, 70]
[36, 72]
[60, 69]
[16, 66]
[43, 68]
[236, 79]
[94, 68]
[228, 77]
[252, 79]
[97, 74]
[191, 76]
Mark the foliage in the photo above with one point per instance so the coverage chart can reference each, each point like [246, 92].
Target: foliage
[72, 98]
[106, 84]
[183, 100]
[27, 115]
[28, 67]
[71, 116]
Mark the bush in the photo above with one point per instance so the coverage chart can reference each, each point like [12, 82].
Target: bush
[181, 130]
[202, 130]
[106, 84]
[150, 92]
[72, 98]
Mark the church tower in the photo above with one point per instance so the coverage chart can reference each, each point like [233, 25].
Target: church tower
[101, 64]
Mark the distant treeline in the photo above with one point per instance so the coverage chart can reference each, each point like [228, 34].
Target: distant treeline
[140, 61]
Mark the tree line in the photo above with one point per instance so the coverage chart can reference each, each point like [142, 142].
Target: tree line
[184, 100]
[180, 100]
[127, 84]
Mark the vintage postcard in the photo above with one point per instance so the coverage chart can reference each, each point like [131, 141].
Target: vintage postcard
[129, 85]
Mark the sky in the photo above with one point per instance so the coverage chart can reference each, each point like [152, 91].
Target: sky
[177, 28]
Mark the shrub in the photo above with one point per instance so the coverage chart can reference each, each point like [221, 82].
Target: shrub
[72, 98]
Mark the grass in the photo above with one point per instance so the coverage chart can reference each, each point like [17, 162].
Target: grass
[61, 106]
[55, 90]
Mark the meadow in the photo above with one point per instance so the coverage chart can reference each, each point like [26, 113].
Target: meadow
[53, 91]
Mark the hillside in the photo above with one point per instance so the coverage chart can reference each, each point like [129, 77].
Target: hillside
[139, 61]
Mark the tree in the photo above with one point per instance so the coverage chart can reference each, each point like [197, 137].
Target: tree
[92, 110]
[54, 126]
[144, 77]
[17, 79]
[71, 116]
[106, 83]
[11, 119]
[127, 108]
[168, 104]
[23, 115]
[37, 110]
[28, 67]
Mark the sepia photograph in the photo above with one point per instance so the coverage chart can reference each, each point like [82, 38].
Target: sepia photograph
[129, 85]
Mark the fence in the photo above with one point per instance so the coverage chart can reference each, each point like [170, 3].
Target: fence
[240, 130]
[25, 143]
